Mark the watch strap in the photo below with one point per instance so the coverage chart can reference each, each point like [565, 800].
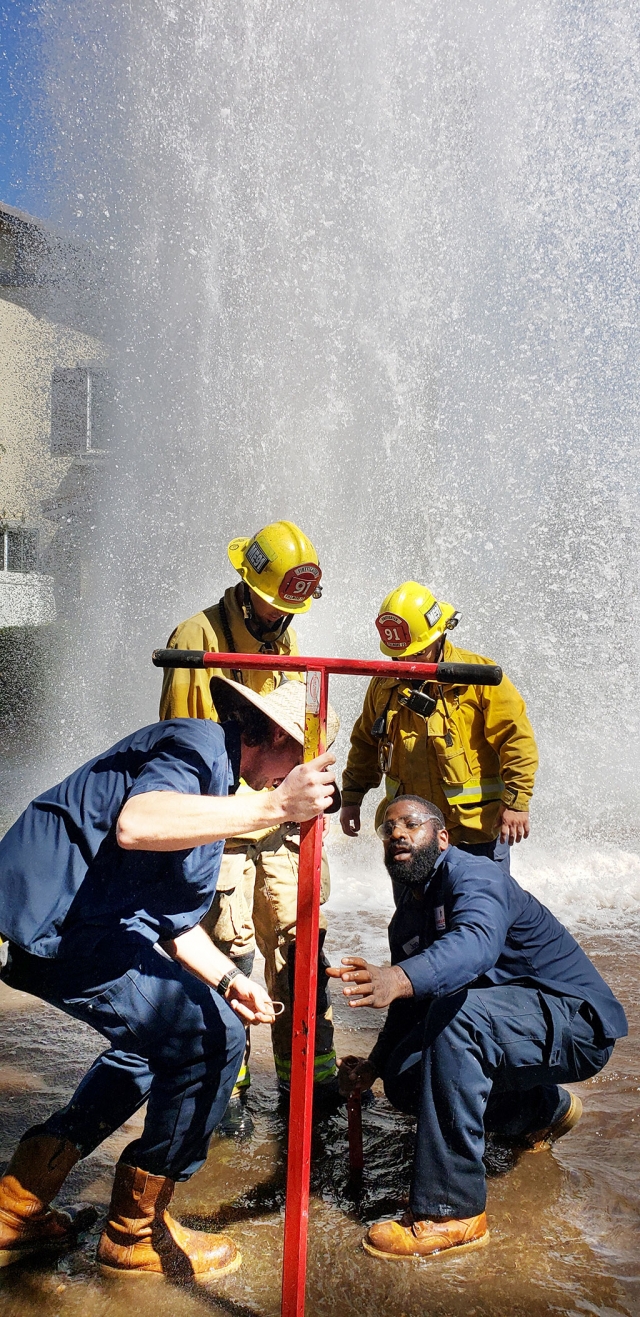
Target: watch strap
[227, 980]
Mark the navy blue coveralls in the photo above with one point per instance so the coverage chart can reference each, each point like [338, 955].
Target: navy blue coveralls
[506, 1007]
[84, 920]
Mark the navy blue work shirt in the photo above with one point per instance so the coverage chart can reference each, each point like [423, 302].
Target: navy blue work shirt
[65, 882]
[474, 926]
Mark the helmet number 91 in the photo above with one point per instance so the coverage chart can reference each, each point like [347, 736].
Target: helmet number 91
[394, 631]
[300, 582]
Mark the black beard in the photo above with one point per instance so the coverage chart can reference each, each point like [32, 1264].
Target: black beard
[416, 871]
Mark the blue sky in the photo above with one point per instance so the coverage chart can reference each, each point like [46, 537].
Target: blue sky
[20, 114]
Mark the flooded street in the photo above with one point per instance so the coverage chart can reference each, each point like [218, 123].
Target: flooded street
[564, 1224]
[372, 269]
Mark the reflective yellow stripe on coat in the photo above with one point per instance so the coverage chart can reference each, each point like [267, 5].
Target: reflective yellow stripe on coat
[474, 791]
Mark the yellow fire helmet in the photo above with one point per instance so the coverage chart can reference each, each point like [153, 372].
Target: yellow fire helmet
[411, 618]
[280, 564]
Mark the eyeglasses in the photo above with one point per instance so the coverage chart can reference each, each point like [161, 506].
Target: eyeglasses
[412, 824]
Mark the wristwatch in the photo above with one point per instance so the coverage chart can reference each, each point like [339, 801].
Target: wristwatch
[226, 980]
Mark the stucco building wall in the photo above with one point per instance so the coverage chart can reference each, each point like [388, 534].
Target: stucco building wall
[48, 485]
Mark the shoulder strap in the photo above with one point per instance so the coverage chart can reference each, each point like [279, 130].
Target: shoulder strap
[231, 648]
[379, 727]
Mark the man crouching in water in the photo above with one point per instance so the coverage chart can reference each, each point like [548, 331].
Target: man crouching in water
[492, 1005]
[99, 875]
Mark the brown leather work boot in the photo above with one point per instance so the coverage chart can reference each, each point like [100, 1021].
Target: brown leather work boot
[540, 1140]
[141, 1239]
[408, 1238]
[33, 1177]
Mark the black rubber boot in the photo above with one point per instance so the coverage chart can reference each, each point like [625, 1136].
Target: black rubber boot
[236, 1122]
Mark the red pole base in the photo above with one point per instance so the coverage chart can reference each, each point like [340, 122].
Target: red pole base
[296, 1221]
[354, 1118]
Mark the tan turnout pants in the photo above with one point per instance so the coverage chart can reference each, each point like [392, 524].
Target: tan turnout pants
[255, 902]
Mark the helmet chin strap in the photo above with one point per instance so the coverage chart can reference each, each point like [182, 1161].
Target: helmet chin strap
[264, 632]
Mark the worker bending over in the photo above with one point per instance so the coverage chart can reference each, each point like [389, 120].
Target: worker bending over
[492, 1006]
[257, 893]
[98, 876]
[470, 749]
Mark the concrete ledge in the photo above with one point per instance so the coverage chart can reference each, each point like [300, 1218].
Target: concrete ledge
[26, 599]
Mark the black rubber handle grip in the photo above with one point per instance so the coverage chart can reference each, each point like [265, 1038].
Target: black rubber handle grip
[178, 658]
[469, 674]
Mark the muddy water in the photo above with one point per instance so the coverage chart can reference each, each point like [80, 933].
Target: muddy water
[564, 1225]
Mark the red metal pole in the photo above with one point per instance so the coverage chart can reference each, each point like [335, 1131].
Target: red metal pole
[296, 1221]
[456, 674]
[354, 1119]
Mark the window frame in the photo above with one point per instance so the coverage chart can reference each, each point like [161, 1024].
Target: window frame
[13, 528]
[88, 371]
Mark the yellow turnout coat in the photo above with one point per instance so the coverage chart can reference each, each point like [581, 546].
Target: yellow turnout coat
[185, 691]
[476, 750]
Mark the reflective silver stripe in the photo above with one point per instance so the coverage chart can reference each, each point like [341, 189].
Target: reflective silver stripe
[324, 1067]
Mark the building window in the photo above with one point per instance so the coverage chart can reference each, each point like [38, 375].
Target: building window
[18, 549]
[79, 409]
[8, 250]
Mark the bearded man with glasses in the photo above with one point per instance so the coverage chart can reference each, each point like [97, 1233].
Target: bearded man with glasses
[492, 1006]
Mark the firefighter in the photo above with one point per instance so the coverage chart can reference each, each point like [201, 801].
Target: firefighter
[470, 749]
[257, 888]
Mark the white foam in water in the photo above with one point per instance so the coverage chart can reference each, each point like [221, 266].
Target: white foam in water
[590, 889]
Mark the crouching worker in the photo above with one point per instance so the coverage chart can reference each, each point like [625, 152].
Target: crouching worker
[492, 1006]
[104, 881]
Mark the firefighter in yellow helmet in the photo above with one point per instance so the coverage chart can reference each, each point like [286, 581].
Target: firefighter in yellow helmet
[257, 888]
[469, 749]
